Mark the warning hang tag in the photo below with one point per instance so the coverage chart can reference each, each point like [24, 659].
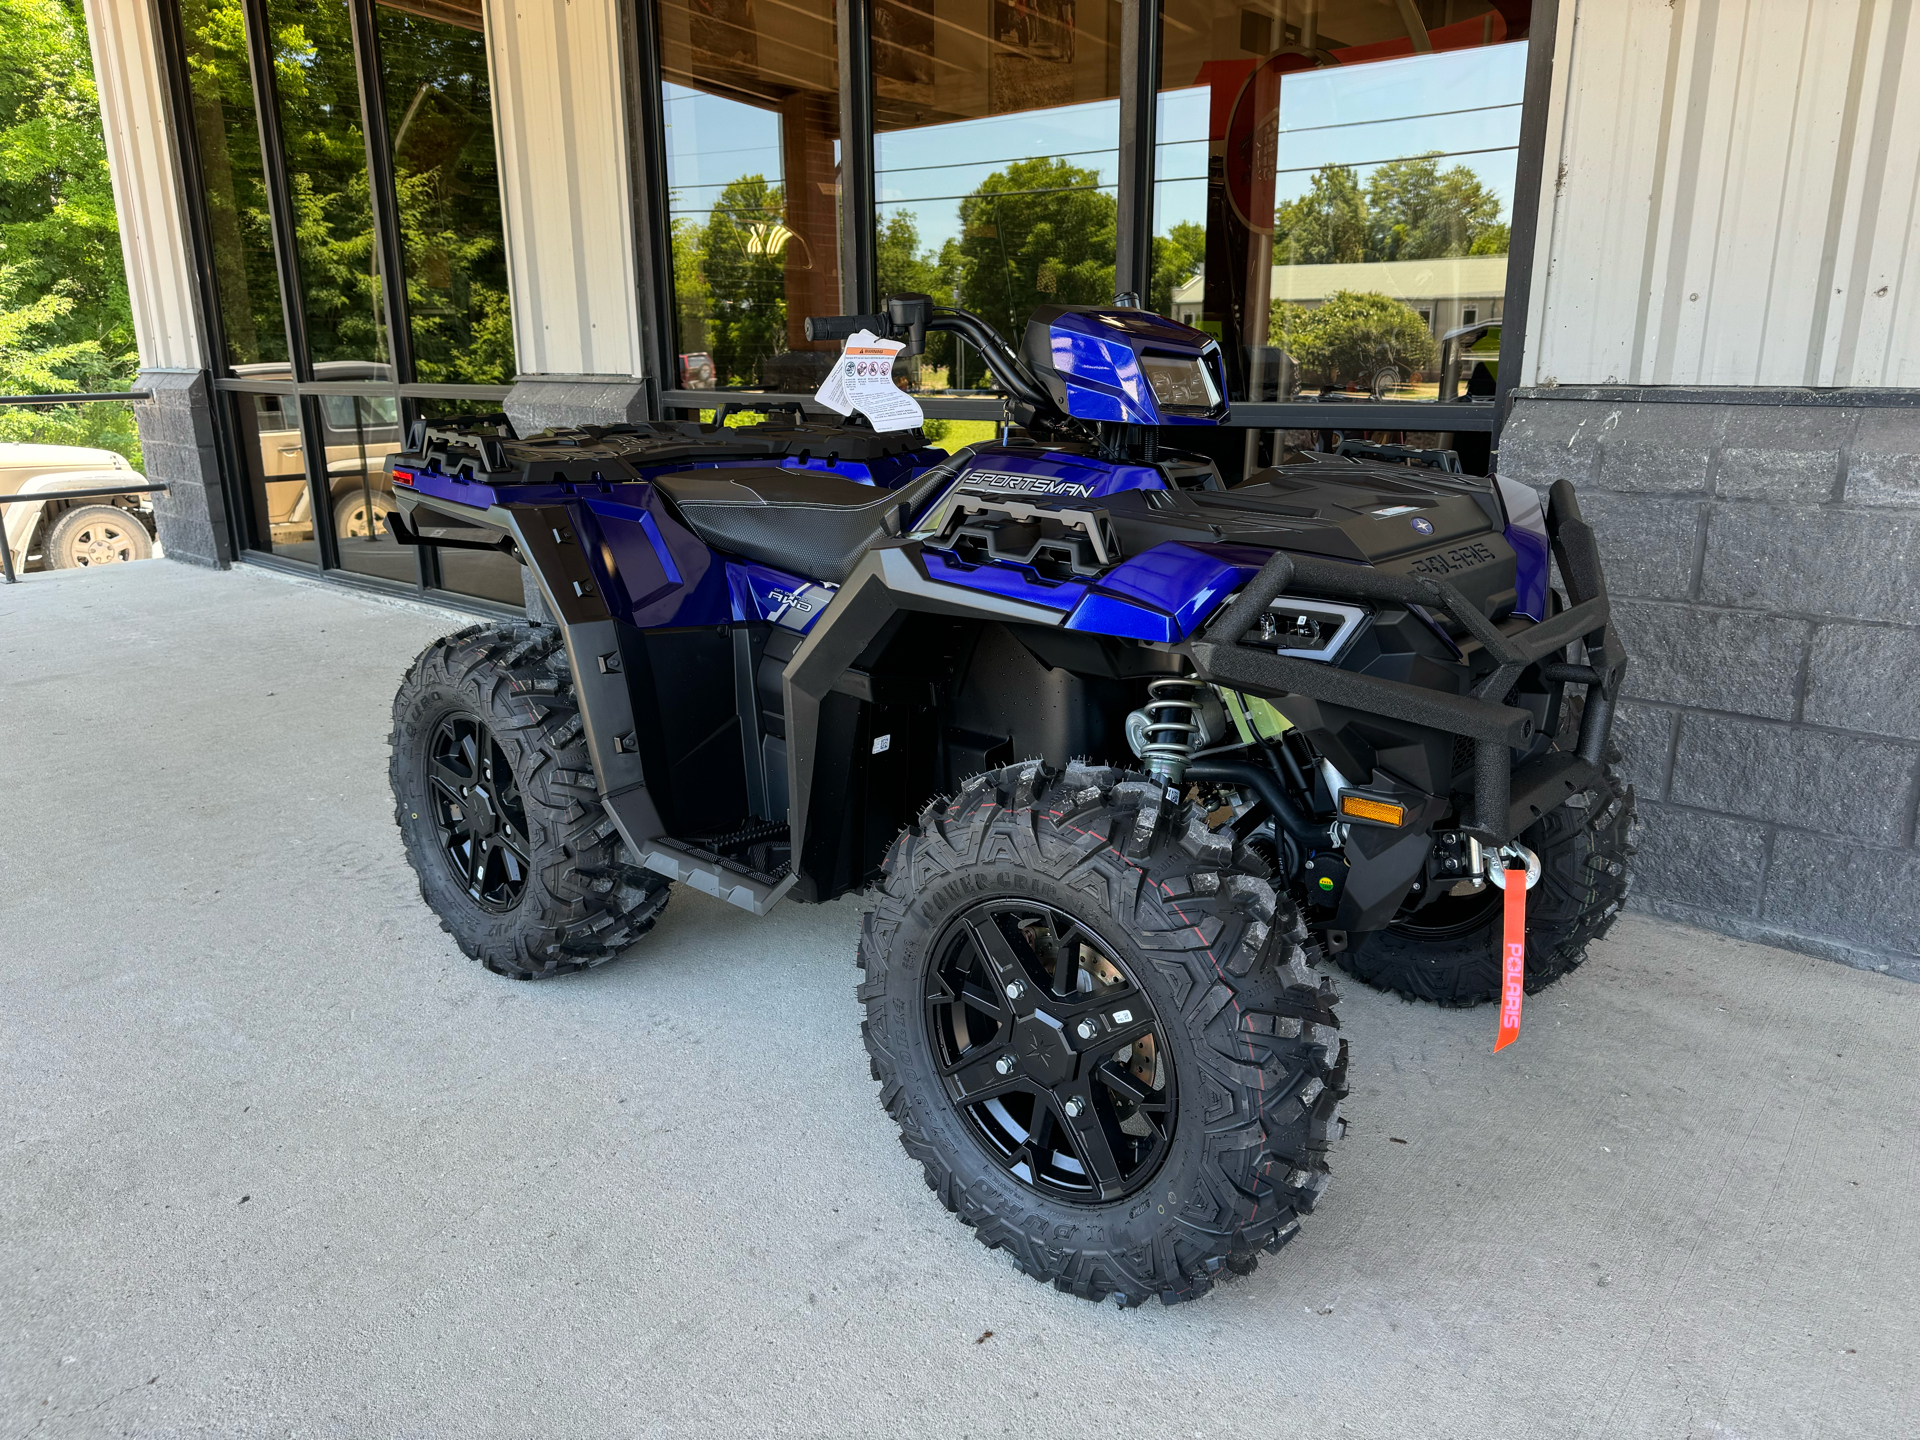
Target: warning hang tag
[863, 380]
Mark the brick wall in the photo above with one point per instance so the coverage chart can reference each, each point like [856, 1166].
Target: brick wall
[1761, 552]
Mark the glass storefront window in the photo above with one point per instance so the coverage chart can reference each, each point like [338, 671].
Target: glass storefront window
[447, 184]
[1333, 189]
[218, 76]
[280, 516]
[996, 148]
[360, 433]
[752, 95]
[327, 171]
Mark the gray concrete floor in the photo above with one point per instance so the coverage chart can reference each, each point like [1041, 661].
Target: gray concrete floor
[279, 1160]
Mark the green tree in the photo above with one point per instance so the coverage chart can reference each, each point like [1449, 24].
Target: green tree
[65, 322]
[229, 143]
[327, 172]
[447, 183]
[1352, 336]
[1416, 210]
[1493, 240]
[690, 286]
[901, 263]
[1326, 226]
[743, 248]
[1036, 233]
[1178, 258]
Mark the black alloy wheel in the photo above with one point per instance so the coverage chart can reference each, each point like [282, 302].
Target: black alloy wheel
[1051, 1051]
[478, 812]
[499, 811]
[1450, 917]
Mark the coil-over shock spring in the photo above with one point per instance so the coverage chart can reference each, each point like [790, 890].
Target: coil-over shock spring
[1173, 730]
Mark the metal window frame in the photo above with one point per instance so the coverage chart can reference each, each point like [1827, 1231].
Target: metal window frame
[641, 87]
[1140, 113]
[1524, 234]
[859, 245]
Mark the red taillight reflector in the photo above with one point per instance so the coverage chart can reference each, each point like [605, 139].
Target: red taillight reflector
[403, 477]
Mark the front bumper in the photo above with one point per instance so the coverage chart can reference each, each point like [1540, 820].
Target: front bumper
[1506, 800]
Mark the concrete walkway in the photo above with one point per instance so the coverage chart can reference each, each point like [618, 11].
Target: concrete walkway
[275, 1158]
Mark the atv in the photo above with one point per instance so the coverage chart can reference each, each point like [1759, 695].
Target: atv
[1120, 756]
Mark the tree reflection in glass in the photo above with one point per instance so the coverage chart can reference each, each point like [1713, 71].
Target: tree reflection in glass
[996, 149]
[446, 180]
[1332, 187]
[228, 141]
[327, 173]
[751, 102]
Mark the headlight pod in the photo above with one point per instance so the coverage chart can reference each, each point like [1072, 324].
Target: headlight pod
[1310, 629]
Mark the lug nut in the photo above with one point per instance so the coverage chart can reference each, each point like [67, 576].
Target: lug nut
[1005, 1065]
[1014, 989]
[1076, 1106]
[1085, 1030]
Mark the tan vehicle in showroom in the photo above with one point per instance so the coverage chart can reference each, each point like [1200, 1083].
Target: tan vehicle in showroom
[359, 432]
[69, 534]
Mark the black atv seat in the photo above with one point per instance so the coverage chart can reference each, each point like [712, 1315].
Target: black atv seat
[814, 525]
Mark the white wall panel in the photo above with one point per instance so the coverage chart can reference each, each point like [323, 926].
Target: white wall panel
[1729, 195]
[560, 124]
[146, 191]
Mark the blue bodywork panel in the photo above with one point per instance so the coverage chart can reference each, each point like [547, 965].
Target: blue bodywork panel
[1164, 593]
[1127, 366]
[759, 592]
[1527, 533]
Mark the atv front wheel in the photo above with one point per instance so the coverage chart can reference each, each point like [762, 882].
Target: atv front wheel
[1098, 1032]
[496, 803]
[1449, 950]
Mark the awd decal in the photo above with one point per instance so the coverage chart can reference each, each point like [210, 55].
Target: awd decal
[1025, 484]
[789, 599]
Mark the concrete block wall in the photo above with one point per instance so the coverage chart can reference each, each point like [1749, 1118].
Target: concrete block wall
[1761, 549]
[177, 447]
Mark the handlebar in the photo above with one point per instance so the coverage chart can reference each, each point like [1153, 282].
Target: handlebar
[910, 316]
[841, 327]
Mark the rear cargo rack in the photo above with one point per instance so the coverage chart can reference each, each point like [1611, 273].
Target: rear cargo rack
[1505, 801]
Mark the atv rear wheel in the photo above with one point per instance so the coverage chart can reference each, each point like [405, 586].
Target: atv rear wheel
[1098, 1032]
[496, 802]
[1449, 951]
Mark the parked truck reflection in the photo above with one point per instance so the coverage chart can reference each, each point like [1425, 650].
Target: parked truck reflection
[358, 432]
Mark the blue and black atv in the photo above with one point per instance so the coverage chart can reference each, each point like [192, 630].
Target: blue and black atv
[1119, 755]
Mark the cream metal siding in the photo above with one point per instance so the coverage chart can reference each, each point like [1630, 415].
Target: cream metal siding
[146, 191]
[1729, 196]
[561, 129]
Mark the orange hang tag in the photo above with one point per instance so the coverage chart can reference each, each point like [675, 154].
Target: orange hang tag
[1513, 956]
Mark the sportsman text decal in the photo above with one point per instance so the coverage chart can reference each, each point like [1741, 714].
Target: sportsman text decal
[1025, 484]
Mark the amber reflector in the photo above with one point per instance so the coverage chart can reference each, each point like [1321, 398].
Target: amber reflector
[1363, 809]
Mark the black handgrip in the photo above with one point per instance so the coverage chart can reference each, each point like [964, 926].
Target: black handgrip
[840, 327]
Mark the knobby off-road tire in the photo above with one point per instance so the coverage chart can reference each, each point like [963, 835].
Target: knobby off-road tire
[1177, 922]
[1453, 955]
[490, 766]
